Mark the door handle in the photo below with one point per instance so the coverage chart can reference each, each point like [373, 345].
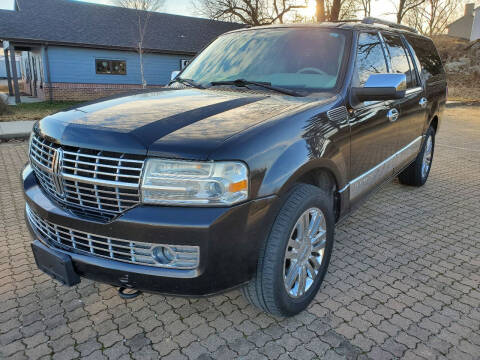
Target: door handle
[423, 102]
[392, 115]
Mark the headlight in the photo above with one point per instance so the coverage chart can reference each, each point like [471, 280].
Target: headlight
[176, 182]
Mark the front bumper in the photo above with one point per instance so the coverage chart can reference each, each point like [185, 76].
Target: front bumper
[229, 241]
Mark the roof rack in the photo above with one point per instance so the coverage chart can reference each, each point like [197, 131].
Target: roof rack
[343, 21]
[372, 21]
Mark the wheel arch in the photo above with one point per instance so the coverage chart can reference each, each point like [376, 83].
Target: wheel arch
[323, 175]
[433, 116]
[301, 163]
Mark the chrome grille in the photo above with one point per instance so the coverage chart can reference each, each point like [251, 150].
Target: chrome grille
[184, 257]
[41, 159]
[99, 182]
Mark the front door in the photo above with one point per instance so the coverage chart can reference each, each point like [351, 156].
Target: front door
[372, 133]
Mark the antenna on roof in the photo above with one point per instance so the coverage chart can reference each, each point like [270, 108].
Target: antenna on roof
[372, 20]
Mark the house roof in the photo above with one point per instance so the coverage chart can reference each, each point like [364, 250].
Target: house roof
[463, 17]
[76, 23]
[459, 19]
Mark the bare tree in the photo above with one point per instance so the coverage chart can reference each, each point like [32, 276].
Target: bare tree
[348, 9]
[432, 17]
[147, 5]
[143, 10]
[320, 11]
[366, 7]
[405, 6]
[250, 12]
[333, 10]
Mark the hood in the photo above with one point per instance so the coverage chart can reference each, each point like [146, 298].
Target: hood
[186, 123]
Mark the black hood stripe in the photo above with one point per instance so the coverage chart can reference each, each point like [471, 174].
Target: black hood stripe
[151, 132]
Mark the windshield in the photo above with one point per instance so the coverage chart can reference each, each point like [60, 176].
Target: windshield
[303, 59]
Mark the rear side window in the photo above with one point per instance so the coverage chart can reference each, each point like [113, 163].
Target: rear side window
[370, 58]
[427, 56]
[399, 59]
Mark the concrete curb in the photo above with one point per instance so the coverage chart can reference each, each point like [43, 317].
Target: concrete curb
[15, 129]
[20, 136]
[453, 104]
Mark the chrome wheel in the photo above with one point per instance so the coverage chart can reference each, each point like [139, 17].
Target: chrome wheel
[427, 157]
[305, 252]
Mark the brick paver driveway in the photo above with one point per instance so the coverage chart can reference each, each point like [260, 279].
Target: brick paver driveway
[404, 282]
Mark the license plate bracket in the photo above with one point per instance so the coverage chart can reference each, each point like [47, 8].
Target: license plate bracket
[54, 263]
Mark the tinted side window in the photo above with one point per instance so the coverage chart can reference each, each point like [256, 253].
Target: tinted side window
[370, 58]
[399, 59]
[427, 55]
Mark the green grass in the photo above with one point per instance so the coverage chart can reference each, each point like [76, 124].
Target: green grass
[35, 111]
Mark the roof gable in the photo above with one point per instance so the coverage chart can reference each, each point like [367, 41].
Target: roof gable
[73, 22]
[463, 18]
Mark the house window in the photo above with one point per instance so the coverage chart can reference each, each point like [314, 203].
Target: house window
[111, 67]
[184, 63]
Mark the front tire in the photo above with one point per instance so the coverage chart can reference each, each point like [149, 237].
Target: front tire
[416, 174]
[294, 259]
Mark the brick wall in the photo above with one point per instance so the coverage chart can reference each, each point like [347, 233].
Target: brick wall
[27, 88]
[72, 91]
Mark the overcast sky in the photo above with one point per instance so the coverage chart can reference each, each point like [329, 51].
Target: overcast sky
[181, 7]
[184, 7]
[380, 8]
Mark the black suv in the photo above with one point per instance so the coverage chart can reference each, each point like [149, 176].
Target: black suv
[235, 174]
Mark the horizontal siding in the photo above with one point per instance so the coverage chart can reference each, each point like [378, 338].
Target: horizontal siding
[77, 65]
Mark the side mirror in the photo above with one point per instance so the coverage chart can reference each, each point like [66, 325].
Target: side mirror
[174, 75]
[382, 87]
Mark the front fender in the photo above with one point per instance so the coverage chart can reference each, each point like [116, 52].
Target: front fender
[296, 161]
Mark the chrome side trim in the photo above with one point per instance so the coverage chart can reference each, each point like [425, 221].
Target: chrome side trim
[407, 154]
[379, 173]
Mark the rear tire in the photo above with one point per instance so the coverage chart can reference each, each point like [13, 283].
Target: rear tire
[292, 263]
[416, 174]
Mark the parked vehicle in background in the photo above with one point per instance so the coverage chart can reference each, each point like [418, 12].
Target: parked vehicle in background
[235, 175]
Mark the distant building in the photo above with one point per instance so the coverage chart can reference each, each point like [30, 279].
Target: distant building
[476, 25]
[77, 50]
[468, 26]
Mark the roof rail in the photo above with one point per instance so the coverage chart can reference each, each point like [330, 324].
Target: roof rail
[343, 21]
[372, 20]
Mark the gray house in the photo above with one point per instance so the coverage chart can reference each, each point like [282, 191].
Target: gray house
[468, 26]
[77, 50]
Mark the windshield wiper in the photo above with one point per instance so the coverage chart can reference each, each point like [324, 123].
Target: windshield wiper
[189, 82]
[266, 85]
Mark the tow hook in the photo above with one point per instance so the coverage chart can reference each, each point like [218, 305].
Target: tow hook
[131, 294]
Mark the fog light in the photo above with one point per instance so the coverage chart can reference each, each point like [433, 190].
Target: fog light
[163, 255]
